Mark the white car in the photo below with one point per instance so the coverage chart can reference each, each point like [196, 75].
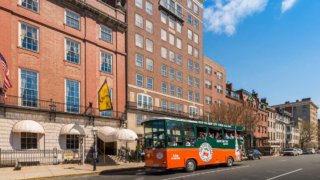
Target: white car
[300, 152]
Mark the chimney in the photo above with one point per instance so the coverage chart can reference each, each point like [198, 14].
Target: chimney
[264, 100]
[229, 86]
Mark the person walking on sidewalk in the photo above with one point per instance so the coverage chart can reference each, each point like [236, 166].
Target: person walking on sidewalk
[139, 151]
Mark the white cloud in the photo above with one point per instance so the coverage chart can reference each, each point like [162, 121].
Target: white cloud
[224, 15]
[287, 4]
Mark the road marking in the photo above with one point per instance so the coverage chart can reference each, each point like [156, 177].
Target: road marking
[285, 174]
[198, 174]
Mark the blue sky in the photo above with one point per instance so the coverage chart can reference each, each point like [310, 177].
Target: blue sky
[272, 46]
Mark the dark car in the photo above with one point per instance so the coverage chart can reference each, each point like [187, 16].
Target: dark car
[254, 154]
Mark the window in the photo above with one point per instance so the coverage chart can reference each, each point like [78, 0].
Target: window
[189, 34]
[179, 76]
[33, 5]
[29, 140]
[171, 23]
[163, 34]
[179, 27]
[139, 40]
[195, 9]
[164, 105]
[149, 8]
[139, 4]
[194, 111]
[172, 90]
[72, 96]
[219, 89]
[149, 83]
[196, 23]
[149, 26]
[190, 81]
[164, 52]
[139, 60]
[139, 21]
[72, 141]
[149, 65]
[196, 53]
[179, 92]
[164, 70]
[189, 18]
[179, 59]
[171, 56]
[29, 88]
[195, 38]
[172, 106]
[189, 4]
[106, 62]
[189, 49]
[29, 37]
[172, 73]
[139, 118]
[163, 17]
[190, 64]
[208, 69]
[196, 68]
[208, 84]
[171, 39]
[197, 82]
[197, 97]
[72, 51]
[164, 87]
[219, 75]
[72, 19]
[190, 95]
[108, 113]
[179, 108]
[144, 101]
[139, 80]
[106, 34]
[208, 100]
[149, 45]
[179, 44]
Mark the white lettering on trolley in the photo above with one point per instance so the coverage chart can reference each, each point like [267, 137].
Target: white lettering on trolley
[175, 157]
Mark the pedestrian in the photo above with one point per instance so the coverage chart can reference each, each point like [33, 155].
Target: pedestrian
[139, 151]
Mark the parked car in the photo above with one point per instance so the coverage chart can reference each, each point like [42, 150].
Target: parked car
[300, 152]
[309, 151]
[290, 152]
[254, 154]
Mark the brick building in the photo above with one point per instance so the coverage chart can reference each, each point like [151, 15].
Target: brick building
[59, 54]
[165, 61]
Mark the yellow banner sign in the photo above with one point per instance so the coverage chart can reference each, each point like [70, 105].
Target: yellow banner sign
[104, 98]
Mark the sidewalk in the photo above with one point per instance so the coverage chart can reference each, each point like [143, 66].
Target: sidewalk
[39, 172]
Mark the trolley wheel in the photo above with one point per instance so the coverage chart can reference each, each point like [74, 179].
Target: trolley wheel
[191, 165]
[229, 162]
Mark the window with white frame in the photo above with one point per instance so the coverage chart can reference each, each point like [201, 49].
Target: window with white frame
[164, 70]
[139, 40]
[139, 119]
[171, 56]
[149, 45]
[179, 76]
[171, 22]
[72, 141]
[189, 49]
[29, 37]
[196, 23]
[208, 84]
[171, 39]
[219, 75]
[149, 83]
[72, 51]
[149, 26]
[189, 34]
[197, 97]
[164, 87]
[179, 43]
[163, 34]
[32, 5]
[196, 38]
[72, 96]
[139, 21]
[72, 19]
[29, 140]
[208, 69]
[190, 80]
[163, 17]
[190, 19]
[189, 4]
[164, 52]
[179, 27]
[190, 64]
[172, 90]
[108, 113]
[196, 68]
[179, 92]
[208, 100]
[219, 89]
[149, 8]
[171, 73]
[196, 82]
[139, 60]
[164, 105]
[179, 108]
[139, 4]
[144, 101]
[196, 53]
[172, 107]
[149, 64]
[106, 62]
[29, 88]
[190, 95]
[106, 34]
[139, 80]
[195, 9]
[179, 59]
[193, 111]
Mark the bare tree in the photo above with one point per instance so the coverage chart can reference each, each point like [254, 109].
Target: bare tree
[219, 113]
[308, 132]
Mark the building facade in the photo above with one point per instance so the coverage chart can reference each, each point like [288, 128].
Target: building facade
[165, 61]
[306, 110]
[57, 62]
[273, 143]
[293, 133]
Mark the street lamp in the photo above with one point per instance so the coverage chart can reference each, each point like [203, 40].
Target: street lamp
[95, 154]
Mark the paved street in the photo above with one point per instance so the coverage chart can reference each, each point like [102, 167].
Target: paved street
[302, 167]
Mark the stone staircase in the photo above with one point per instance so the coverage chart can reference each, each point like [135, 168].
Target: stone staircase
[110, 160]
